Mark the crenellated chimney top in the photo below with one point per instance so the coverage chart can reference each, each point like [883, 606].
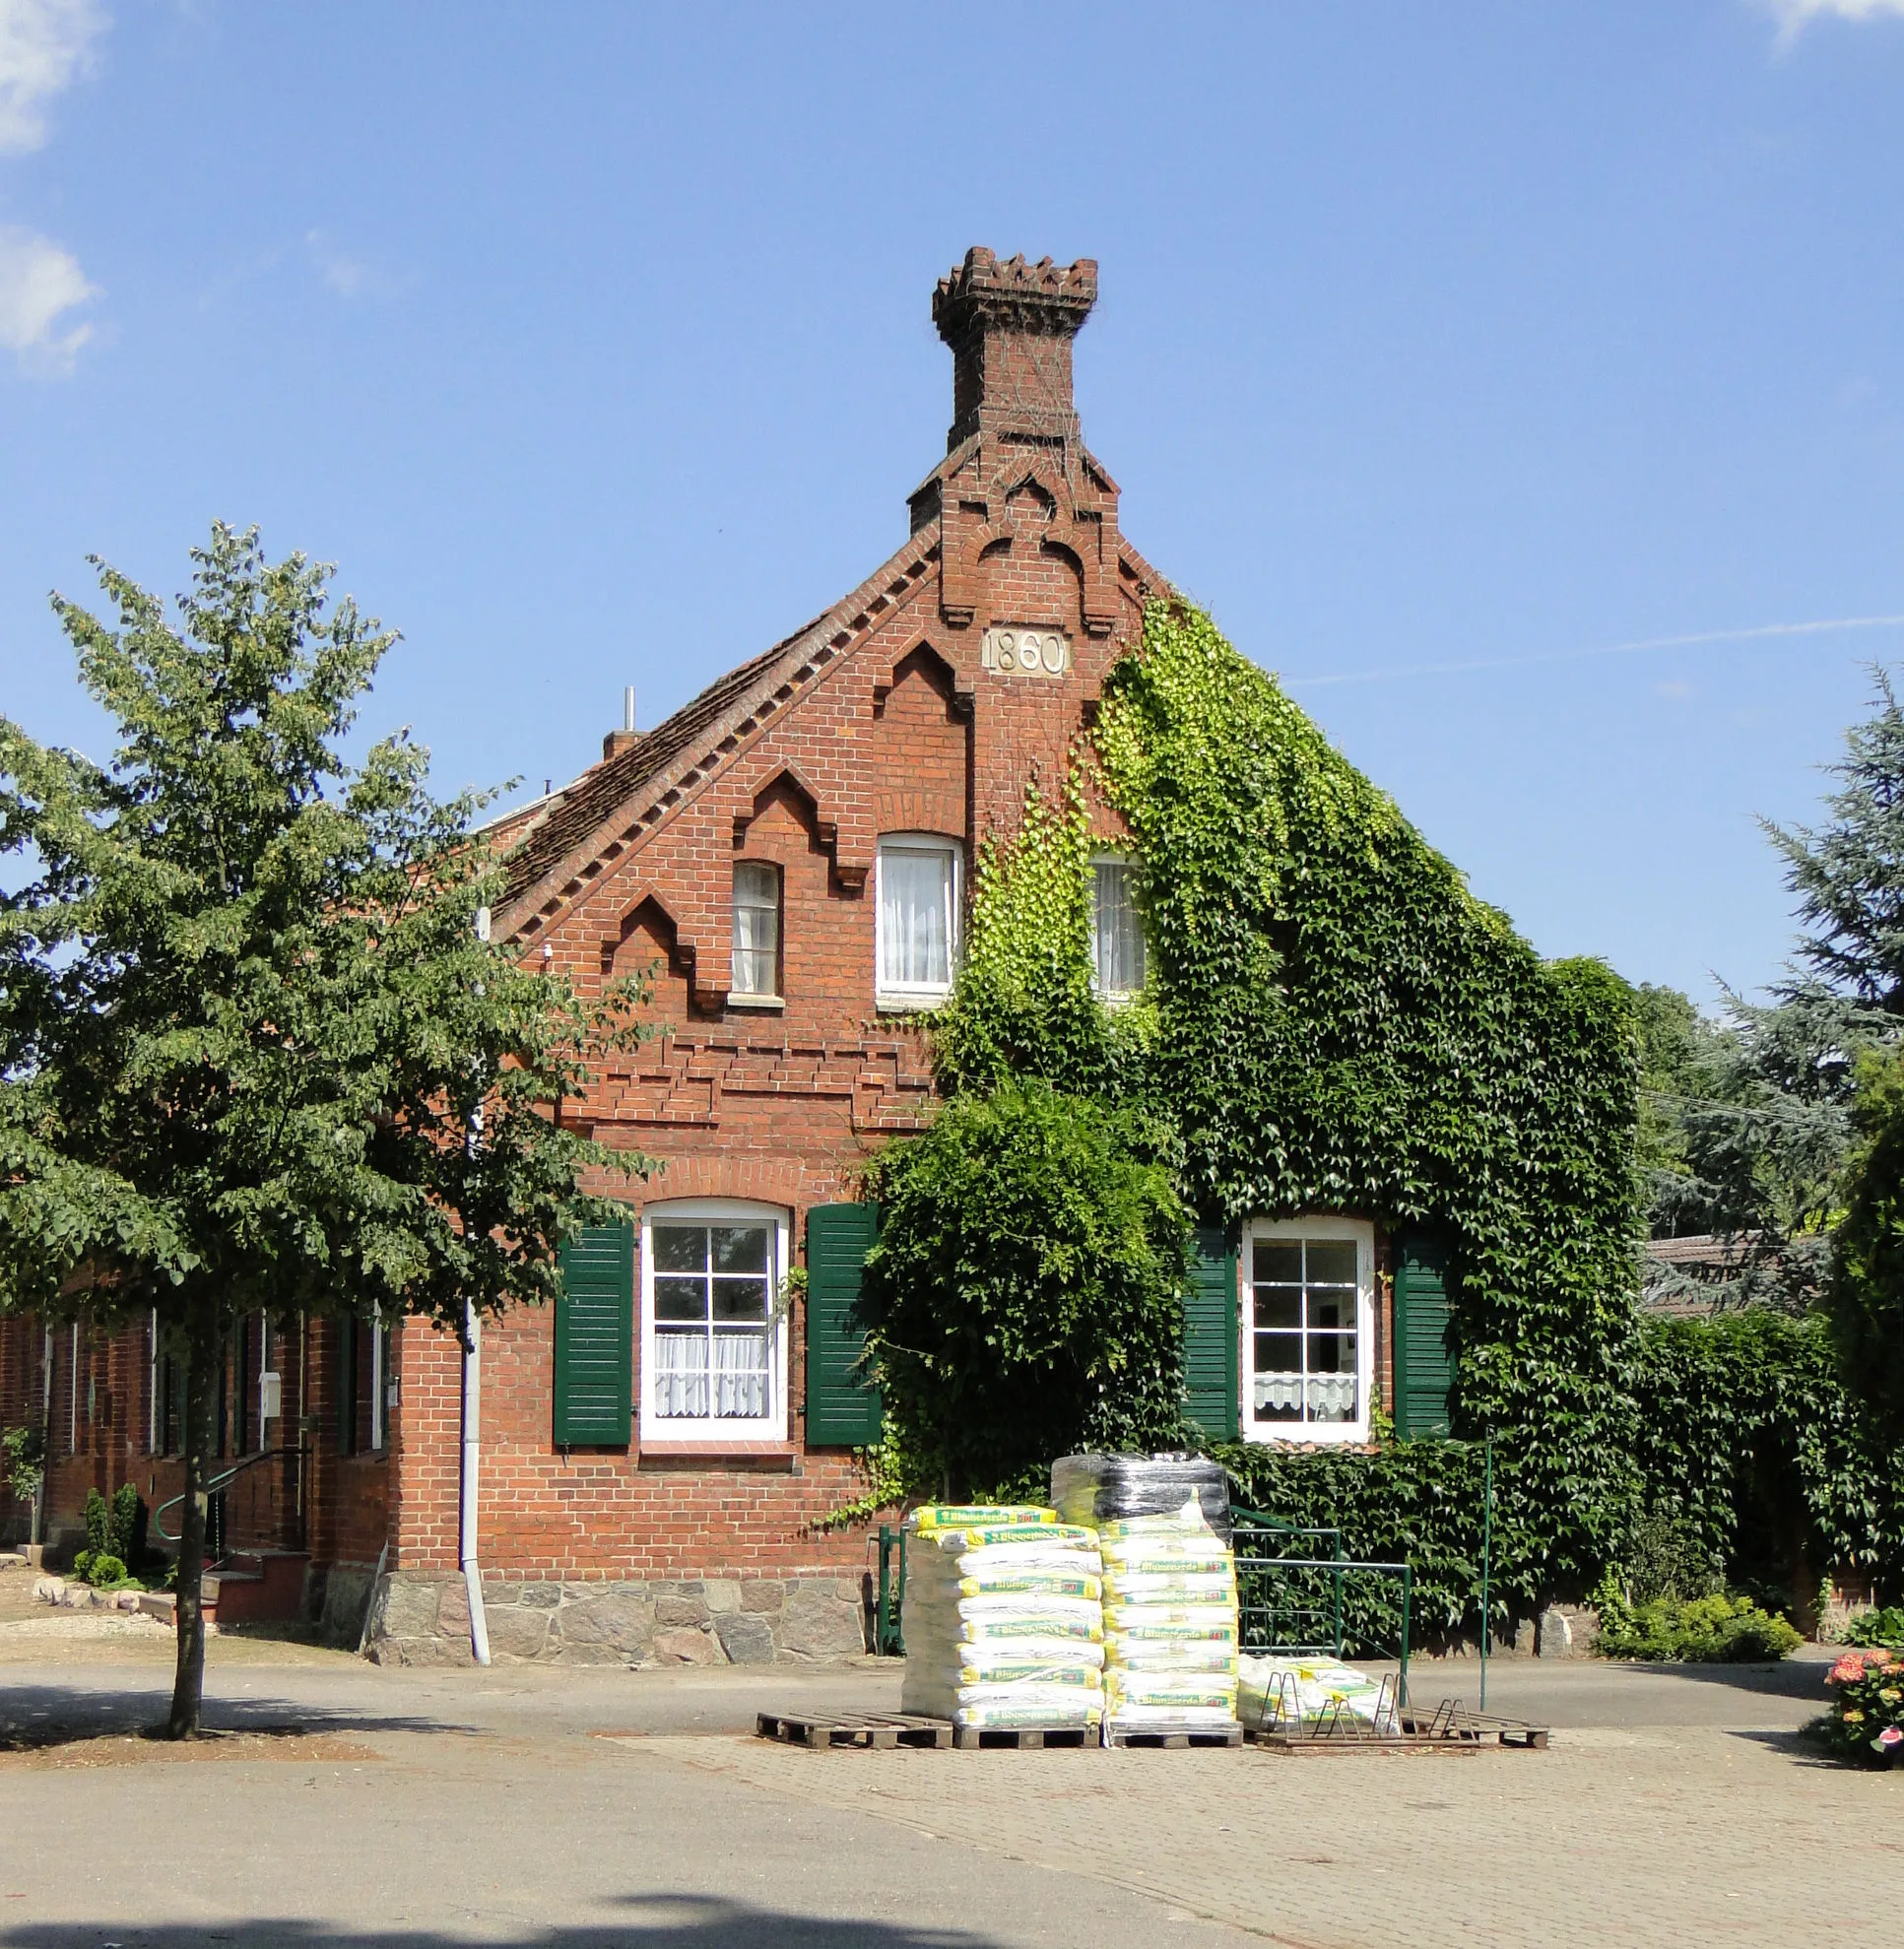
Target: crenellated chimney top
[1009, 325]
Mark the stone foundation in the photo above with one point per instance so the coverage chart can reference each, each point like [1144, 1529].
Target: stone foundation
[805, 1618]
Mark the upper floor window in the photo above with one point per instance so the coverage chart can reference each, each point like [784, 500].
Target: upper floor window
[917, 920]
[756, 931]
[1116, 927]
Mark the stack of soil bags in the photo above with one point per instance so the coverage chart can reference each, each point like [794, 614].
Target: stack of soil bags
[1003, 1619]
[1170, 1624]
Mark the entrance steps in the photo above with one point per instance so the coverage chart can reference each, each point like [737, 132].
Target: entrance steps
[248, 1586]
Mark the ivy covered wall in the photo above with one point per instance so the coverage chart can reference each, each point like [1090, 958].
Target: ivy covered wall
[1332, 1022]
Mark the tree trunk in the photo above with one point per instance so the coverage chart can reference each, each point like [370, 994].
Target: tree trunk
[203, 1348]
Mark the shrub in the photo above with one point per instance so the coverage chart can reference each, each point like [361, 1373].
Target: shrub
[1714, 1630]
[23, 1461]
[99, 1522]
[1878, 1628]
[126, 1524]
[1867, 1717]
[83, 1563]
[106, 1571]
[1024, 1298]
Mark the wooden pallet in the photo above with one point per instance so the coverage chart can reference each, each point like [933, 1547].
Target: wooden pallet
[1022, 1738]
[1449, 1728]
[1452, 1723]
[868, 1731]
[1276, 1740]
[1173, 1738]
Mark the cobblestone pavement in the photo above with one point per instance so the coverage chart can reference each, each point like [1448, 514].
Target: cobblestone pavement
[1668, 1837]
[614, 1810]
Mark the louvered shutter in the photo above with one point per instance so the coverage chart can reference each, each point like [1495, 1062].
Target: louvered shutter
[595, 1340]
[1424, 1369]
[1210, 1334]
[841, 1410]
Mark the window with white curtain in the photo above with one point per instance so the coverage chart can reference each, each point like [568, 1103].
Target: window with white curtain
[1116, 927]
[917, 920]
[1308, 1329]
[756, 930]
[714, 1332]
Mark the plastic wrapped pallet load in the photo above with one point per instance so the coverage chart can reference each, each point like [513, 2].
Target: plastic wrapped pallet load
[1003, 1619]
[1097, 1489]
[1170, 1624]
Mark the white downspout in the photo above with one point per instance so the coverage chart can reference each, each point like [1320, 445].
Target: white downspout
[466, 1483]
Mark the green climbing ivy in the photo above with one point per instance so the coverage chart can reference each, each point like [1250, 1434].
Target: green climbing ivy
[1332, 1022]
[1023, 1002]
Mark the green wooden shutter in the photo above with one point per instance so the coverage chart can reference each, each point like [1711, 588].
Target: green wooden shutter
[1210, 1335]
[1424, 1368]
[841, 1410]
[595, 1340]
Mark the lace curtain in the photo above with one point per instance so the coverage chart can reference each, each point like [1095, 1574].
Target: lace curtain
[738, 1382]
[1331, 1397]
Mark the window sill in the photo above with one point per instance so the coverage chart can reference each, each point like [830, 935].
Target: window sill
[911, 1004]
[767, 1454]
[1317, 1435]
[773, 1004]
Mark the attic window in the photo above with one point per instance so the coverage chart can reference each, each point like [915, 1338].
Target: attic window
[756, 931]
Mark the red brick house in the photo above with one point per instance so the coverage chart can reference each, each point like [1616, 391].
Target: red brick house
[791, 851]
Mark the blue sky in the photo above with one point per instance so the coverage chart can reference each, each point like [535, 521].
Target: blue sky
[1435, 346]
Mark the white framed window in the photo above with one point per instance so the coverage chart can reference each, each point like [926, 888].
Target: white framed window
[1308, 1329]
[1116, 927]
[756, 931]
[917, 920]
[714, 1332]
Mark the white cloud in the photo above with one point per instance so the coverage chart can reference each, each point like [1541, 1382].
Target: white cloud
[351, 277]
[1794, 16]
[39, 283]
[345, 275]
[44, 45]
[1673, 687]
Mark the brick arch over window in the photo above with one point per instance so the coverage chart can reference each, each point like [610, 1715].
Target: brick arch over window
[647, 932]
[765, 1180]
[920, 747]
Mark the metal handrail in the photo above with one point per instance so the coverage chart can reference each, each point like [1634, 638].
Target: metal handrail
[1254, 1519]
[212, 1487]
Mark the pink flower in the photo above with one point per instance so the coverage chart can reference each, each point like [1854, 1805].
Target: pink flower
[1891, 1735]
[1849, 1669]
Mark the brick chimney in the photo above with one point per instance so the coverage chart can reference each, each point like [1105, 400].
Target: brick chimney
[1009, 325]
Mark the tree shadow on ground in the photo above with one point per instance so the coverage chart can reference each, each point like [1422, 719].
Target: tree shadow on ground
[1802, 1748]
[653, 1922]
[1791, 1679]
[38, 1715]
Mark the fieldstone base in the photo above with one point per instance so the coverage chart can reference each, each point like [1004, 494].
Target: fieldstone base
[1561, 1631]
[423, 1617]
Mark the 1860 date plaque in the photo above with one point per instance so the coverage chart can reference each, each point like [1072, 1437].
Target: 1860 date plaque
[1025, 650]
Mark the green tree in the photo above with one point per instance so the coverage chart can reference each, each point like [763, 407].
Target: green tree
[1025, 1296]
[1867, 1298]
[248, 1030]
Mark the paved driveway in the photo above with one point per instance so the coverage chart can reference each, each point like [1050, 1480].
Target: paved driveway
[580, 1811]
